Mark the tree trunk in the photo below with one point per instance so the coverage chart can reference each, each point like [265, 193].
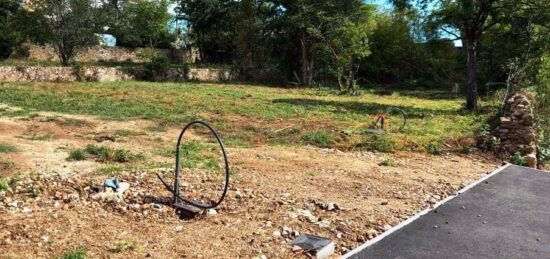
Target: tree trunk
[307, 63]
[472, 93]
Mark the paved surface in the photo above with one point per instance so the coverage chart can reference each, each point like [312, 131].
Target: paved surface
[506, 216]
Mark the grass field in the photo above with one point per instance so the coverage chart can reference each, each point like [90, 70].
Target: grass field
[254, 115]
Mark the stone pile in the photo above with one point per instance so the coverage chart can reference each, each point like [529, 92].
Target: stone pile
[517, 129]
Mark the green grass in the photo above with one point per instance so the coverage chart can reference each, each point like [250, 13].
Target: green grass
[194, 154]
[76, 155]
[6, 148]
[79, 253]
[103, 154]
[388, 162]
[4, 185]
[252, 114]
[319, 138]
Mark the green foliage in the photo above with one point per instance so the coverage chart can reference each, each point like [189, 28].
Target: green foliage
[4, 185]
[6, 148]
[156, 69]
[388, 162]
[434, 148]
[69, 23]
[79, 253]
[518, 159]
[9, 38]
[436, 115]
[542, 109]
[141, 24]
[486, 140]
[76, 155]
[469, 150]
[105, 154]
[379, 143]
[319, 138]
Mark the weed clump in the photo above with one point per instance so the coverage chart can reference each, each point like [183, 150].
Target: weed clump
[433, 148]
[79, 253]
[6, 148]
[4, 185]
[518, 159]
[388, 162]
[103, 154]
[378, 143]
[319, 138]
[76, 155]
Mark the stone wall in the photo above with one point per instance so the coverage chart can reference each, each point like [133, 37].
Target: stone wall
[110, 54]
[108, 74]
[517, 129]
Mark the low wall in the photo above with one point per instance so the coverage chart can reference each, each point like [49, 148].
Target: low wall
[517, 129]
[109, 74]
[111, 54]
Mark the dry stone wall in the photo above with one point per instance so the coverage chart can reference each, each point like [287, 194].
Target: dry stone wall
[108, 74]
[517, 129]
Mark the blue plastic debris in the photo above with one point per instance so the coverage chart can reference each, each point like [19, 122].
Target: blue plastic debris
[113, 183]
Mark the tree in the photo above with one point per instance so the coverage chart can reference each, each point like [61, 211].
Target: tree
[471, 18]
[212, 28]
[69, 23]
[340, 28]
[8, 37]
[347, 40]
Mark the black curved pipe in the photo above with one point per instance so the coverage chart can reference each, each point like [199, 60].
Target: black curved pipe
[176, 190]
[402, 126]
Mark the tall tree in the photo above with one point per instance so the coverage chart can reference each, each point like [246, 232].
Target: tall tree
[69, 23]
[8, 37]
[471, 18]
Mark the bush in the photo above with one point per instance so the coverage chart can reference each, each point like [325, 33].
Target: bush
[156, 69]
[79, 253]
[319, 138]
[518, 159]
[433, 148]
[76, 155]
[380, 143]
[542, 109]
[4, 185]
[388, 162]
[5, 148]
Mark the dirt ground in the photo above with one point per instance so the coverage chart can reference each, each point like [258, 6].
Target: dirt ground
[275, 194]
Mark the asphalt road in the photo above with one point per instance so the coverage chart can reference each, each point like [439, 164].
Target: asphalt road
[504, 216]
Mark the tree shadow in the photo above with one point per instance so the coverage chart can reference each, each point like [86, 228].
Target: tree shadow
[368, 108]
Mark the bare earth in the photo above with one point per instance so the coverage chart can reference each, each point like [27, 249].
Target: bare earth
[271, 188]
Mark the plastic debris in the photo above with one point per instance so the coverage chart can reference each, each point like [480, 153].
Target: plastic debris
[318, 247]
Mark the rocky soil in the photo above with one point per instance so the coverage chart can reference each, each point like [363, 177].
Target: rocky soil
[276, 194]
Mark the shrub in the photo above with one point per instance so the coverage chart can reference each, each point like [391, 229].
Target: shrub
[5, 148]
[380, 143]
[518, 159]
[122, 156]
[433, 148]
[76, 155]
[468, 150]
[4, 185]
[80, 253]
[388, 162]
[319, 138]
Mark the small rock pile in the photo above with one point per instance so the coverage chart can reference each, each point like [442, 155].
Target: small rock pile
[517, 129]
